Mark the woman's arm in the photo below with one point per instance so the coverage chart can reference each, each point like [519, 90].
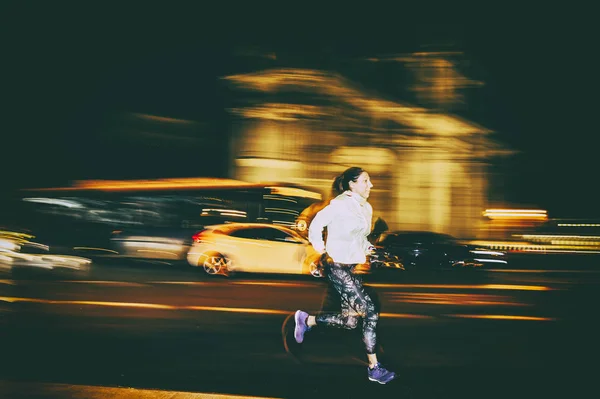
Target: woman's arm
[315, 231]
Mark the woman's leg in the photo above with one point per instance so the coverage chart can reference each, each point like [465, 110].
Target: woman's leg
[365, 306]
[355, 303]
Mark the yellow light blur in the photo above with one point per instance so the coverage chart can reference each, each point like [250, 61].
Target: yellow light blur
[15, 235]
[167, 184]
[282, 112]
[92, 303]
[106, 282]
[502, 317]
[579, 224]
[231, 211]
[516, 216]
[405, 316]
[540, 211]
[525, 214]
[516, 287]
[139, 305]
[560, 236]
[156, 251]
[456, 299]
[237, 310]
[594, 250]
[426, 164]
[333, 84]
[150, 184]
[156, 118]
[144, 305]
[565, 242]
[296, 192]
[271, 284]
[464, 286]
[157, 183]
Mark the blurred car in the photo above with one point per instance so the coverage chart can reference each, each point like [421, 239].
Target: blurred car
[424, 249]
[165, 243]
[151, 243]
[20, 250]
[253, 248]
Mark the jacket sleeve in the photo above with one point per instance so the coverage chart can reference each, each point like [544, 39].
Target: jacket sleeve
[315, 230]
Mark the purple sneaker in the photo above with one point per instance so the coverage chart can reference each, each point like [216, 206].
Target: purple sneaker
[301, 327]
[380, 375]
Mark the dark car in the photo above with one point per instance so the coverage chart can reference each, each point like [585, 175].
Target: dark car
[424, 249]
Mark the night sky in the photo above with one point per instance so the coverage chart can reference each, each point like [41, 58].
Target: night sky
[68, 69]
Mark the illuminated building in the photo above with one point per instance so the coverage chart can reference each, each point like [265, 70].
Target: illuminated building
[305, 126]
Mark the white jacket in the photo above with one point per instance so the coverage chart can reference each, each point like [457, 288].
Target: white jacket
[348, 220]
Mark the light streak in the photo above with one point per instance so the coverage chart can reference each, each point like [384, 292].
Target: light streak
[491, 261]
[90, 391]
[501, 317]
[405, 316]
[540, 271]
[139, 305]
[474, 287]
[272, 284]
[482, 252]
[96, 249]
[455, 299]
[99, 282]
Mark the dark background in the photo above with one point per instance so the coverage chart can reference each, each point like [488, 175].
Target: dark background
[69, 68]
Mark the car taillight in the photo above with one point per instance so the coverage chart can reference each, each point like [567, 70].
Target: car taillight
[197, 237]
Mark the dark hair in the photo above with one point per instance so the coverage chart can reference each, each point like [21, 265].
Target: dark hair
[342, 182]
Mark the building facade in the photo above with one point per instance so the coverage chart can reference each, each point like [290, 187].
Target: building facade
[305, 126]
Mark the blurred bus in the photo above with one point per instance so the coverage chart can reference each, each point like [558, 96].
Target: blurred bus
[94, 215]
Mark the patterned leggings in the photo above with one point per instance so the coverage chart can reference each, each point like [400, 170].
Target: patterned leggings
[355, 304]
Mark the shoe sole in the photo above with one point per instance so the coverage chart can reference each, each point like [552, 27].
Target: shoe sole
[296, 319]
[382, 382]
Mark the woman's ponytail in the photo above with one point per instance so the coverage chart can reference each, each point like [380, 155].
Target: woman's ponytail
[338, 185]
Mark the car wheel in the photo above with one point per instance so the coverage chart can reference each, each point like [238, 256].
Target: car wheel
[215, 263]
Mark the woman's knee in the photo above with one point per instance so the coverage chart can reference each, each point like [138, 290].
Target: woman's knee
[351, 322]
[372, 316]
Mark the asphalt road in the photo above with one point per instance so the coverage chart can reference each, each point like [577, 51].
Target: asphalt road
[528, 330]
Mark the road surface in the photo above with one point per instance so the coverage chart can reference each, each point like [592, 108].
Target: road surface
[148, 330]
